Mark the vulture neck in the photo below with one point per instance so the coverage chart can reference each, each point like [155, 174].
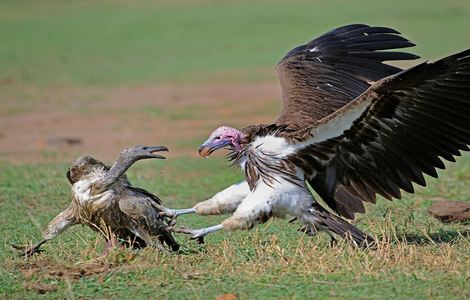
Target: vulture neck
[292, 133]
[263, 148]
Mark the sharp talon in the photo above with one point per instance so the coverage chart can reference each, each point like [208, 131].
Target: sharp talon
[167, 212]
[333, 241]
[308, 230]
[182, 229]
[197, 235]
[19, 248]
[169, 228]
[24, 251]
[172, 214]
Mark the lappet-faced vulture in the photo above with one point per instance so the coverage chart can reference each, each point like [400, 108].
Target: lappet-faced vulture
[350, 126]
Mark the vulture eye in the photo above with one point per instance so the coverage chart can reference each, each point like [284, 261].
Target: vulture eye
[217, 138]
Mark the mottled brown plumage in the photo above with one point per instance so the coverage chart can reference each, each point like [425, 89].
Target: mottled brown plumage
[105, 200]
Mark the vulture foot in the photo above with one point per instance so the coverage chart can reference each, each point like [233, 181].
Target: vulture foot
[27, 251]
[172, 214]
[308, 230]
[198, 234]
[312, 231]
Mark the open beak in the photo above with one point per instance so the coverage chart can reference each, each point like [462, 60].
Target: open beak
[209, 146]
[157, 149]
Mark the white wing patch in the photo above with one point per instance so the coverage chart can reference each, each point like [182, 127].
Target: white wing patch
[314, 49]
[338, 124]
[327, 128]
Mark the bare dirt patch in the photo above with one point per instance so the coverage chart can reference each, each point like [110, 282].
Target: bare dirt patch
[39, 124]
[51, 269]
[42, 275]
[40, 288]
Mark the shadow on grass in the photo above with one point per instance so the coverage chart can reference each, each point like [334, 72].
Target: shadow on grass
[442, 236]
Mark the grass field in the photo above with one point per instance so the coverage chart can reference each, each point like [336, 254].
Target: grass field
[51, 42]
[117, 73]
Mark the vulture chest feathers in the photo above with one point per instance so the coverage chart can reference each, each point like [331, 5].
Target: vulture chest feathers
[262, 157]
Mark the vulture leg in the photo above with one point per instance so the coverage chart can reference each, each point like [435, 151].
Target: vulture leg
[29, 251]
[198, 234]
[127, 158]
[61, 222]
[225, 201]
[312, 230]
[264, 202]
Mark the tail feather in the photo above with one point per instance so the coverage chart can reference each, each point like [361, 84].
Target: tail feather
[343, 228]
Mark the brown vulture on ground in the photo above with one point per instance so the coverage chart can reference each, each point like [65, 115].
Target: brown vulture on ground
[105, 200]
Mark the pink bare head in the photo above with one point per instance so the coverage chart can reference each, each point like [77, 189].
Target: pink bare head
[222, 137]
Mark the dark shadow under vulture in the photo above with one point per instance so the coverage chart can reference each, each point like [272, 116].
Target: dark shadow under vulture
[104, 199]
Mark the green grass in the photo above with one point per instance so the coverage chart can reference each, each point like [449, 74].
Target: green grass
[418, 258]
[116, 42]
[120, 43]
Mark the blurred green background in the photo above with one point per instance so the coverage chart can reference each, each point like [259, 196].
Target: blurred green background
[137, 42]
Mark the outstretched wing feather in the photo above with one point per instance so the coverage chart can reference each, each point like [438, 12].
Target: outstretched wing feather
[406, 125]
[328, 72]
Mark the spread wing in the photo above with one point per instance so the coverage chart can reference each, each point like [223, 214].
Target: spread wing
[328, 72]
[387, 138]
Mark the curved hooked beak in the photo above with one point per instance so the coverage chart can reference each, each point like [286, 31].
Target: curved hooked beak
[210, 146]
